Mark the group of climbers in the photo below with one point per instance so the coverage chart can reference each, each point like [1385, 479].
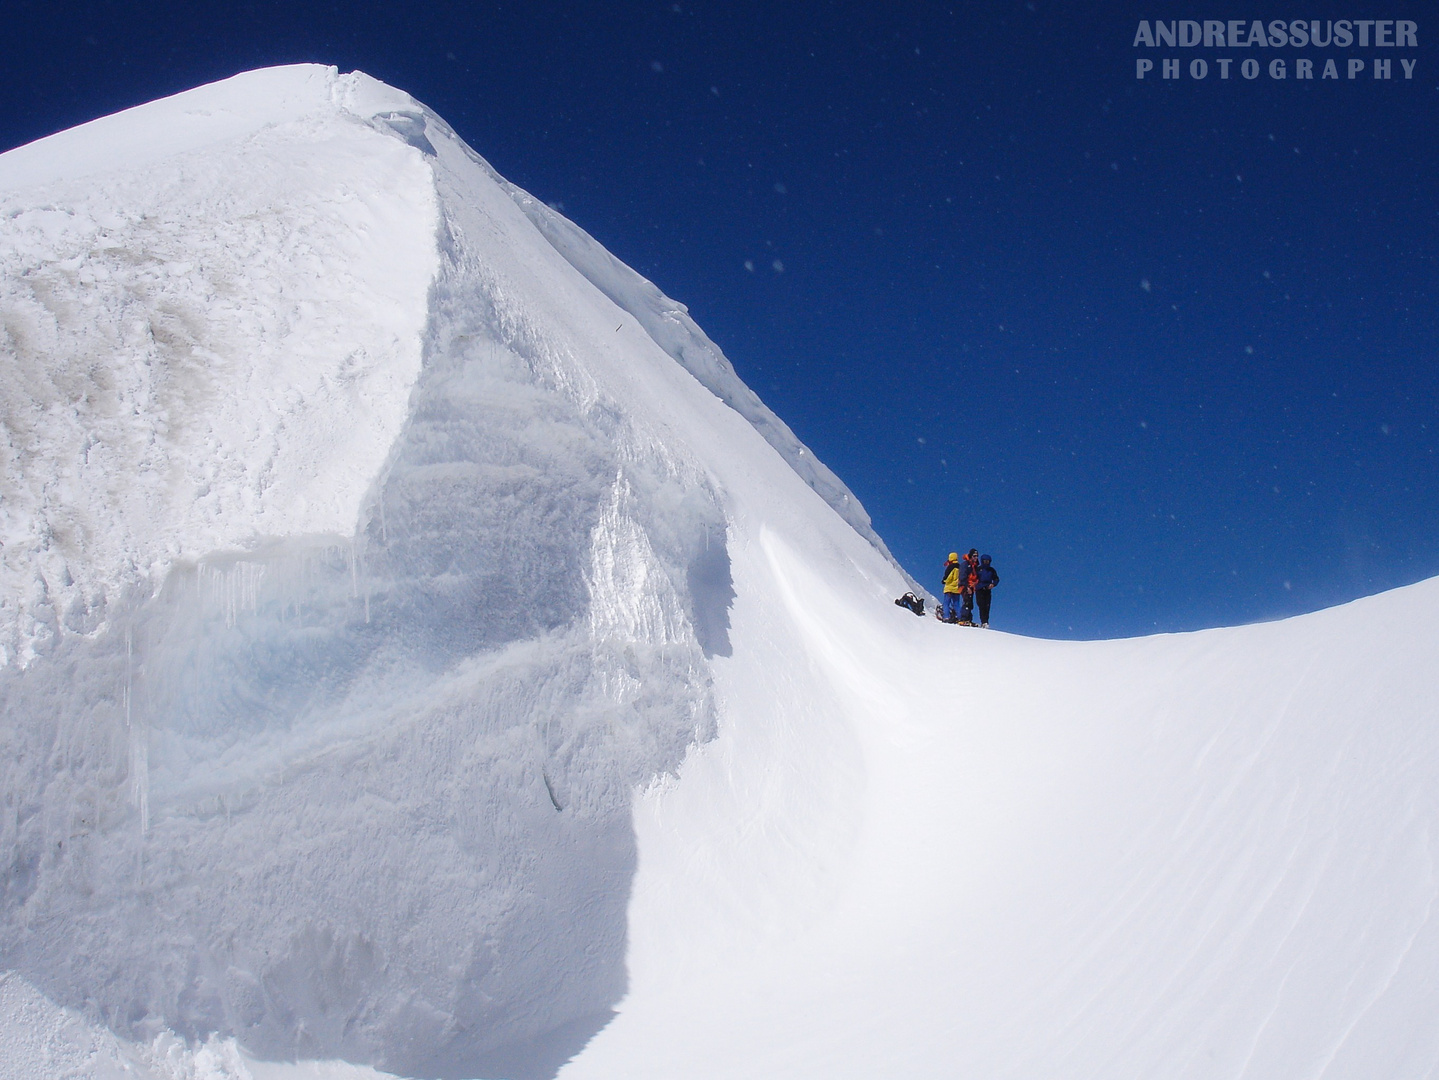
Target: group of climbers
[967, 581]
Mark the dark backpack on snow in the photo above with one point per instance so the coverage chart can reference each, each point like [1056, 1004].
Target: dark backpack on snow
[914, 603]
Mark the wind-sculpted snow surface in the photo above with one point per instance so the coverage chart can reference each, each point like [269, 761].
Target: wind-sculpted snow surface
[424, 653]
[197, 350]
[347, 606]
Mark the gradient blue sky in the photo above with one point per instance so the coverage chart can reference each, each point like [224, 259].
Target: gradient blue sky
[1165, 349]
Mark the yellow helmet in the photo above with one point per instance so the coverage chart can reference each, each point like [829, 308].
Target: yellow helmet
[954, 556]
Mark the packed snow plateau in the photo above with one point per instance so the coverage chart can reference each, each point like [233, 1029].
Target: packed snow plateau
[423, 656]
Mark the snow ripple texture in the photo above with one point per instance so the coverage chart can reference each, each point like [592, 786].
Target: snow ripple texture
[344, 608]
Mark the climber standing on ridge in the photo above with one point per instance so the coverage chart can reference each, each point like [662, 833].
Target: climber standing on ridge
[955, 573]
[968, 576]
[986, 578]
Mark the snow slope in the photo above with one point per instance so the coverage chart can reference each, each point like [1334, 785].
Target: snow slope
[425, 654]
[1203, 855]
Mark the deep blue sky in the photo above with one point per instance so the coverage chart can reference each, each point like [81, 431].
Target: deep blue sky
[1167, 350]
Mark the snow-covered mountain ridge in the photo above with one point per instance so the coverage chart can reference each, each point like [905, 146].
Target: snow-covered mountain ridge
[425, 654]
[204, 201]
[338, 502]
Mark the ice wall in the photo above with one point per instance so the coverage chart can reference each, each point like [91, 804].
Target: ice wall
[347, 597]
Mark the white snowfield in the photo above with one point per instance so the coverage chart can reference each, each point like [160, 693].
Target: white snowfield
[425, 657]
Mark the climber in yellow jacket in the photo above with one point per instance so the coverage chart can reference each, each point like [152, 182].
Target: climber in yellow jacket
[955, 576]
